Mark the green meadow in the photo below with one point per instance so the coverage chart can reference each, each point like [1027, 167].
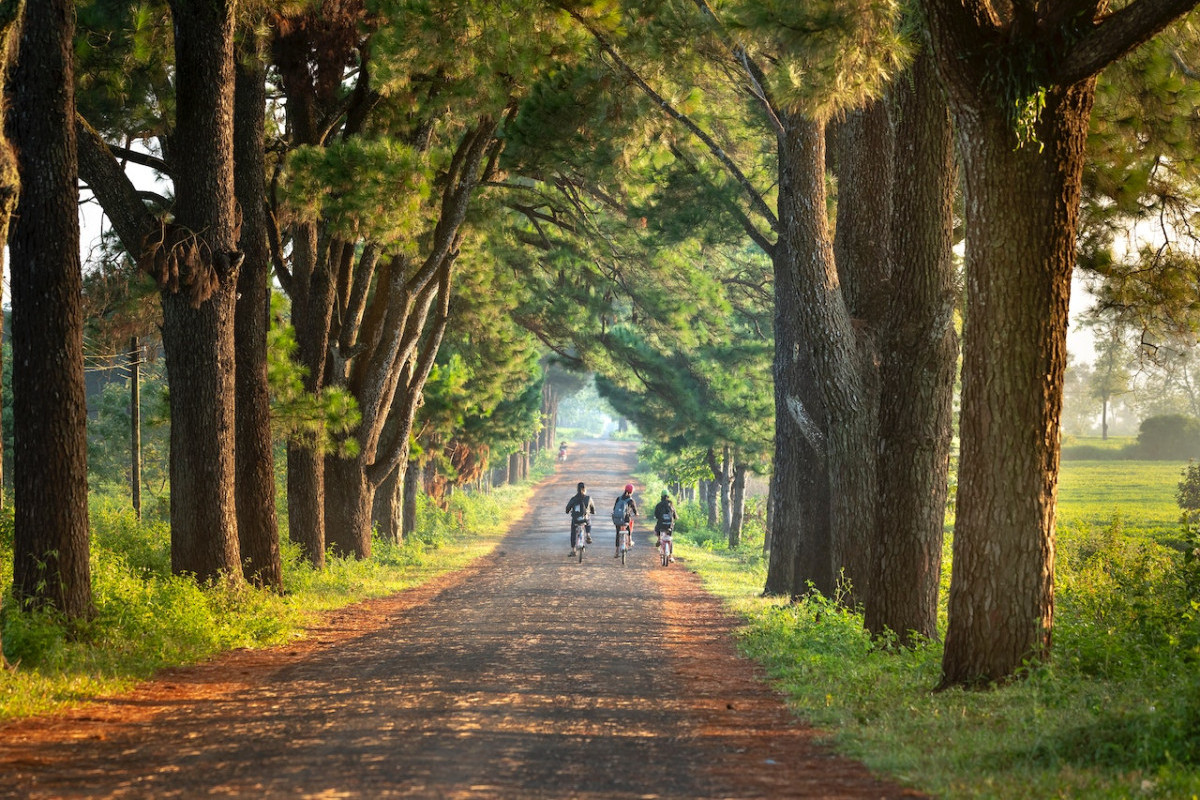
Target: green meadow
[1141, 494]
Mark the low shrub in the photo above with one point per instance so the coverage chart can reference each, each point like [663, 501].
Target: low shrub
[1169, 437]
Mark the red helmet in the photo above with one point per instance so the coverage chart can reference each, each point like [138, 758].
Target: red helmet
[628, 488]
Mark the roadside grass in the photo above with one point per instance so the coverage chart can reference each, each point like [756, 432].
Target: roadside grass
[1115, 713]
[147, 619]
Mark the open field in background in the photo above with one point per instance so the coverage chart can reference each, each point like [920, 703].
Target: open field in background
[1141, 493]
[1115, 714]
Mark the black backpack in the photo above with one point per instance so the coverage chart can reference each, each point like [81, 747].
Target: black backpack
[579, 511]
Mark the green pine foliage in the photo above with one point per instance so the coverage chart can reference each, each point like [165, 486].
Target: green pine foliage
[320, 421]
[376, 189]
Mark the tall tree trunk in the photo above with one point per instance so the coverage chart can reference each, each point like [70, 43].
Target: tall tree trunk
[306, 500]
[723, 479]
[412, 484]
[712, 499]
[198, 301]
[312, 310]
[388, 512]
[864, 147]
[389, 374]
[257, 524]
[1022, 206]
[50, 548]
[135, 424]
[919, 359]
[1022, 210]
[348, 507]
[737, 496]
[803, 519]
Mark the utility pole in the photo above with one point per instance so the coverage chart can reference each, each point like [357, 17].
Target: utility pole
[135, 424]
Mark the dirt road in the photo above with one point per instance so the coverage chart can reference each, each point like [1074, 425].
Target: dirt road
[527, 675]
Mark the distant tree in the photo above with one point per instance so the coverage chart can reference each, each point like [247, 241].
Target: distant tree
[1078, 409]
[50, 551]
[1110, 372]
[1167, 381]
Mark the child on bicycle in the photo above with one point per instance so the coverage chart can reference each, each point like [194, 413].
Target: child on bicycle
[624, 510]
[581, 508]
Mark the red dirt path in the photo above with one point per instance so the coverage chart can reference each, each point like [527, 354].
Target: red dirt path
[525, 675]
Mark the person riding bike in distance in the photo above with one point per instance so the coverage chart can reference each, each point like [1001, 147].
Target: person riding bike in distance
[624, 510]
[581, 508]
[664, 518]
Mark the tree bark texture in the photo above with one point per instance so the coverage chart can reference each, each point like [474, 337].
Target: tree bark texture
[306, 500]
[257, 523]
[412, 484]
[800, 546]
[723, 480]
[50, 549]
[919, 352]
[388, 511]
[863, 147]
[198, 331]
[1022, 205]
[712, 495]
[1022, 210]
[826, 404]
[737, 497]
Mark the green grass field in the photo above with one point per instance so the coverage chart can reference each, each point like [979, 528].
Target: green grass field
[1141, 493]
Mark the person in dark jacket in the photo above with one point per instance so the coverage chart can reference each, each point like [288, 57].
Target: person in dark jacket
[581, 508]
[664, 517]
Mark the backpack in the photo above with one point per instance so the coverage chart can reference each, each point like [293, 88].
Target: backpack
[666, 517]
[579, 511]
[622, 511]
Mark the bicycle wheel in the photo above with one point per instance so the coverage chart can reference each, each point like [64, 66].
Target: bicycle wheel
[580, 552]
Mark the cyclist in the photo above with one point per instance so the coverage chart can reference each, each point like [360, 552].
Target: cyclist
[581, 508]
[664, 519]
[562, 452]
[624, 510]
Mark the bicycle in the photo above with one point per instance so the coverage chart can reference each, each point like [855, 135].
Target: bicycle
[624, 542]
[579, 538]
[666, 547]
